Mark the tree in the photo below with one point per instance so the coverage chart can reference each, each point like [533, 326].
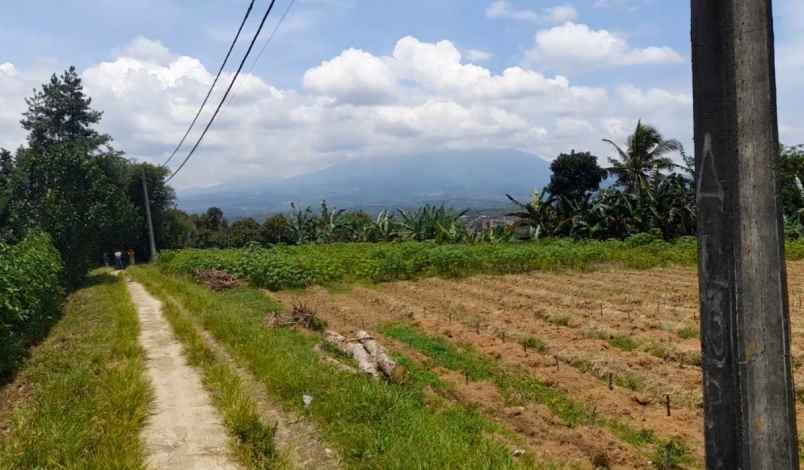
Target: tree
[640, 166]
[177, 229]
[6, 170]
[64, 190]
[63, 182]
[575, 176]
[60, 112]
[791, 175]
[161, 197]
[244, 231]
[276, 229]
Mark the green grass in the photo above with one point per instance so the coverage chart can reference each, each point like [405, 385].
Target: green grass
[625, 343]
[533, 343]
[688, 332]
[445, 354]
[372, 423]
[253, 439]
[89, 397]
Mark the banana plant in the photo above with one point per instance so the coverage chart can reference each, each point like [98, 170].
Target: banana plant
[539, 215]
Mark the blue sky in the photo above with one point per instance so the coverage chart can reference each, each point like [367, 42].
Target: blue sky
[366, 78]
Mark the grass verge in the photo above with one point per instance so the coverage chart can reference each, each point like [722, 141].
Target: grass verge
[253, 442]
[88, 397]
[373, 424]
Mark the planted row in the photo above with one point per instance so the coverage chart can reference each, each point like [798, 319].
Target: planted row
[284, 267]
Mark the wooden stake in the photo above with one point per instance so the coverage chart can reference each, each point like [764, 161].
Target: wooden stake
[477, 327]
[667, 397]
[611, 386]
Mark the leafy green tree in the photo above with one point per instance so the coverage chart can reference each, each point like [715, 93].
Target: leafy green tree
[177, 229]
[161, 197]
[6, 170]
[575, 176]
[64, 190]
[68, 181]
[276, 229]
[60, 113]
[790, 172]
[639, 167]
[244, 231]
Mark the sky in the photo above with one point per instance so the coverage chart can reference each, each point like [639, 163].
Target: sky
[345, 79]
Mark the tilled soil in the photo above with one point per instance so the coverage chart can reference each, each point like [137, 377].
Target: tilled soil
[578, 317]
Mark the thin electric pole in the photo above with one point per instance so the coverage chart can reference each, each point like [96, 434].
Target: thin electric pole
[151, 241]
[749, 405]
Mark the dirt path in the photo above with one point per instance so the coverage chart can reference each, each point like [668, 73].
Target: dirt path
[184, 429]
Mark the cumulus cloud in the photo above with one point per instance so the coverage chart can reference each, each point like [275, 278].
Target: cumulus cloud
[573, 45]
[8, 69]
[353, 76]
[556, 14]
[421, 96]
[476, 55]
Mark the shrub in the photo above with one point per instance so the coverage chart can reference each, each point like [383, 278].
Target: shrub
[31, 275]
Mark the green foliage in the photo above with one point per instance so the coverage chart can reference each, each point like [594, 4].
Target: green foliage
[30, 296]
[66, 191]
[60, 112]
[639, 166]
[283, 267]
[575, 176]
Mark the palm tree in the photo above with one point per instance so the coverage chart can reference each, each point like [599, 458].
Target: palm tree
[640, 166]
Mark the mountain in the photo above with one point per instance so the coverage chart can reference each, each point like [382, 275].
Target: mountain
[462, 179]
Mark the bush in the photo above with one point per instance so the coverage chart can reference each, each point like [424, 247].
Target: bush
[31, 275]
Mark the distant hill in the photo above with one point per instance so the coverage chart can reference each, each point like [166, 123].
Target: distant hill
[462, 179]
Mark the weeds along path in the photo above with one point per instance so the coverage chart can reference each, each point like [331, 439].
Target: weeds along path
[296, 437]
[184, 429]
[544, 429]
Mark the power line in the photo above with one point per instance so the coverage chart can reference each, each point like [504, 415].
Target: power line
[271, 36]
[212, 87]
[225, 95]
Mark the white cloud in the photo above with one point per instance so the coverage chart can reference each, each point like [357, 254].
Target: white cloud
[354, 76]
[8, 69]
[423, 96]
[476, 55]
[557, 14]
[621, 4]
[574, 45]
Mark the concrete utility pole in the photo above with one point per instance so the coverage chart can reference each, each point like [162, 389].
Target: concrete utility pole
[152, 242]
[750, 420]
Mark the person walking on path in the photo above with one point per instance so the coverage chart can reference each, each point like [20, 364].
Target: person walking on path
[118, 259]
[131, 256]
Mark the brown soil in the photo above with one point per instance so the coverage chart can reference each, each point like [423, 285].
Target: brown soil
[564, 312]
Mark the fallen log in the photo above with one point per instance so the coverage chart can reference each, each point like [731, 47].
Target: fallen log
[370, 356]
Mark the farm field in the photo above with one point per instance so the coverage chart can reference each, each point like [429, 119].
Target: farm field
[580, 365]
